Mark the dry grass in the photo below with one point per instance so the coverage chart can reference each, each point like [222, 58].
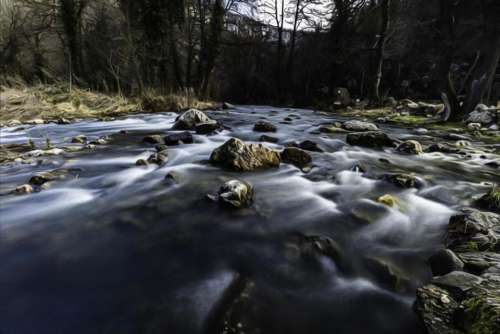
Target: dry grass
[51, 102]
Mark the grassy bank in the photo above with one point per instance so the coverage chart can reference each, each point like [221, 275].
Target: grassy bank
[55, 102]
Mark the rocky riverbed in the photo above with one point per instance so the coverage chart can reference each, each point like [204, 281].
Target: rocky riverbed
[247, 220]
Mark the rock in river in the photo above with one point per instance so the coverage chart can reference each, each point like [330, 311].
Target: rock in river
[207, 128]
[262, 126]
[490, 200]
[410, 147]
[57, 174]
[153, 139]
[235, 193]
[190, 119]
[236, 155]
[371, 139]
[403, 180]
[359, 126]
[269, 139]
[24, 189]
[473, 230]
[444, 262]
[180, 138]
[80, 139]
[296, 156]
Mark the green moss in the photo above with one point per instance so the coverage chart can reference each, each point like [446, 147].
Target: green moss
[490, 200]
[473, 246]
[481, 316]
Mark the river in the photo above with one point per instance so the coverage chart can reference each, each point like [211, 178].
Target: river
[116, 248]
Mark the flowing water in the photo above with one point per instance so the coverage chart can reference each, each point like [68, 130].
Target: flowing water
[116, 248]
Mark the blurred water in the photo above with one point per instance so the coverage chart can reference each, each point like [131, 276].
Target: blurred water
[118, 249]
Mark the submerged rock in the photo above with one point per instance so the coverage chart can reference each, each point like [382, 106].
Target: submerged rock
[410, 147]
[207, 128]
[403, 180]
[190, 119]
[173, 139]
[296, 156]
[370, 139]
[359, 126]
[235, 193]
[80, 139]
[269, 139]
[54, 175]
[236, 155]
[309, 145]
[443, 148]
[262, 126]
[388, 274]
[237, 310]
[153, 139]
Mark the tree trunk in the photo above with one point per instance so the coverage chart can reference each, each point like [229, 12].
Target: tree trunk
[380, 48]
[213, 44]
[291, 54]
[485, 71]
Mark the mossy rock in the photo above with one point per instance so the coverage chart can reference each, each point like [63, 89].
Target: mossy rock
[490, 201]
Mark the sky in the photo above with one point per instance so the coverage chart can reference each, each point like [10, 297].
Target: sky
[263, 7]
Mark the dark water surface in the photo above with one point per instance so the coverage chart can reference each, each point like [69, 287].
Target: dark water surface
[119, 249]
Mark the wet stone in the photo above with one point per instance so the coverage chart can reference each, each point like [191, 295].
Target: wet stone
[263, 126]
[410, 147]
[153, 139]
[190, 119]
[444, 262]
[296, 156]
[370, 139]
[269, 139]
[173, 139]
[239, 156]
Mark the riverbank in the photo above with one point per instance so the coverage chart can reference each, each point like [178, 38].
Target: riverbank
[57, 103]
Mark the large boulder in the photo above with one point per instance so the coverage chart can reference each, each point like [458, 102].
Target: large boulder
[190, 119]
[410, 147]
[465, 296]
[235, 194]
[359, 126]
[371, 139]
[239, 156]
[296, 156]
[473, 230]
[436, 308]
[482, 114]
[457, 283]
